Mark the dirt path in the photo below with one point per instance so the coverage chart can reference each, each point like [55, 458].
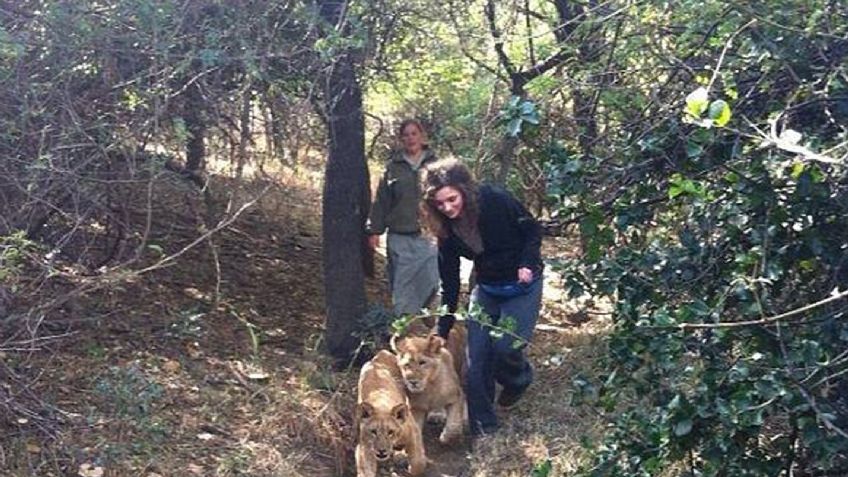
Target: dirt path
[212, 369]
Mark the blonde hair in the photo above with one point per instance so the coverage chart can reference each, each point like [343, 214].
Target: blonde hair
[411, 121]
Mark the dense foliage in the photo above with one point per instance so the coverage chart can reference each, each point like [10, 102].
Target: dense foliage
[697, 148]
[710, 228]
[103, 102]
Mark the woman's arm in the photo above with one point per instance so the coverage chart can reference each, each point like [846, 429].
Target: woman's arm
[531, 233]
[376, 224]
[449, 273]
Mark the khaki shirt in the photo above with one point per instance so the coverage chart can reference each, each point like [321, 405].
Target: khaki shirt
[395, 204]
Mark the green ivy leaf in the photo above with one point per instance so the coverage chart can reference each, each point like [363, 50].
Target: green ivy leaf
[699, 308]
[697, 102]
[542, 469]
[816, 175]
[680, 185]
[683, 427]
[532, 118]
[513, 128]
[719, 112]
[400, 325]
[693, 149]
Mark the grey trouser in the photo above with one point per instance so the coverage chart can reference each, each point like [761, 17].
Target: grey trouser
[413, 271]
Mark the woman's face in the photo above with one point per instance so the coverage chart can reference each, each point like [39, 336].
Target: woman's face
[449, 201]
[412, 139]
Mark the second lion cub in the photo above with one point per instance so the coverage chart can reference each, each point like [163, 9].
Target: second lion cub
[432, 382]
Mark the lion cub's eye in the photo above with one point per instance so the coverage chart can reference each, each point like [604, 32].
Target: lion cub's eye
[374, 432]
[391, 433]
[422, 362]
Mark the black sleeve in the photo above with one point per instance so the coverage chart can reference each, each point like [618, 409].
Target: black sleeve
[531, 233]
[444, 325]
[449, 273]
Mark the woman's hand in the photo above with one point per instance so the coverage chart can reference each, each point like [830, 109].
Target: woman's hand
[525, 275]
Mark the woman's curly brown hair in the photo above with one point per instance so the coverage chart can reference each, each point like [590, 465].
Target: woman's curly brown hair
[443, 173]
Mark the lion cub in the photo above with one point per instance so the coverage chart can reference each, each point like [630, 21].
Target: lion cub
[432, 382]
[383, 420]
[457, 345]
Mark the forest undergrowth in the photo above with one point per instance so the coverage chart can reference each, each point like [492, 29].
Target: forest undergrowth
[211, 365]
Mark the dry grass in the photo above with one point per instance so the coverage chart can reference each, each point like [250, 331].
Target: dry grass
[156, 379]
[544, 425]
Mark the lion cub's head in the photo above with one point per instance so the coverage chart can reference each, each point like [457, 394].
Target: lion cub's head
[380, 431]
[419, 359]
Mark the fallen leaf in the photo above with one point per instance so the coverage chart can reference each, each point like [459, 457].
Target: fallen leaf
[192, 350]
[257, 375]
[88, 470]
[171, 366]
[195, 469]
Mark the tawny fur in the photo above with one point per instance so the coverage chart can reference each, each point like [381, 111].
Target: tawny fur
[457, 344]
[384, 420]
[432, 382]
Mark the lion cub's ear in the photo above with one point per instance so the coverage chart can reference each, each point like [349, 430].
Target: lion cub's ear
[366, 410]
[435, 344]
[400, 411]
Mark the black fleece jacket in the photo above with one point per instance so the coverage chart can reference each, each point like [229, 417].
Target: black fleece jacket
[511, 239]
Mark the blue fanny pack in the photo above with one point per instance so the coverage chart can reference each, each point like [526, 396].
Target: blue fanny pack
[507, 289]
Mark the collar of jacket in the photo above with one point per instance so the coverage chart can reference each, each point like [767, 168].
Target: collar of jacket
[429, 155]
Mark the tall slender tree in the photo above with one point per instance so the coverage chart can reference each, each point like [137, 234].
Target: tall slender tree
[346, 197]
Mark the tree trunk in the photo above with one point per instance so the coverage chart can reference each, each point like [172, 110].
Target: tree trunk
[195, 148]
[584, 116]
[505, 153]
[275, 126]
[346, 198]
[244, 130]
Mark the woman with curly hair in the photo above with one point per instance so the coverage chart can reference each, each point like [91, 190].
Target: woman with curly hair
[486, 224]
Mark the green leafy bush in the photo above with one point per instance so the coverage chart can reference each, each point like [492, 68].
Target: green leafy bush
[719, 233]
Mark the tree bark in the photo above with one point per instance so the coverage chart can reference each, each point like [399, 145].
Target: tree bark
[244, 129]
[346, 200]
[195, 147]
[585, 100]
[276, 114]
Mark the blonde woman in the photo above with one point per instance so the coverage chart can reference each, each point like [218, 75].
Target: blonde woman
[412, 262]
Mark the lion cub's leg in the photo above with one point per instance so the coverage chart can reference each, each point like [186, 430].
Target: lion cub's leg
[415, 451]
[366, 464]
[454, 423]
[420, 416]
